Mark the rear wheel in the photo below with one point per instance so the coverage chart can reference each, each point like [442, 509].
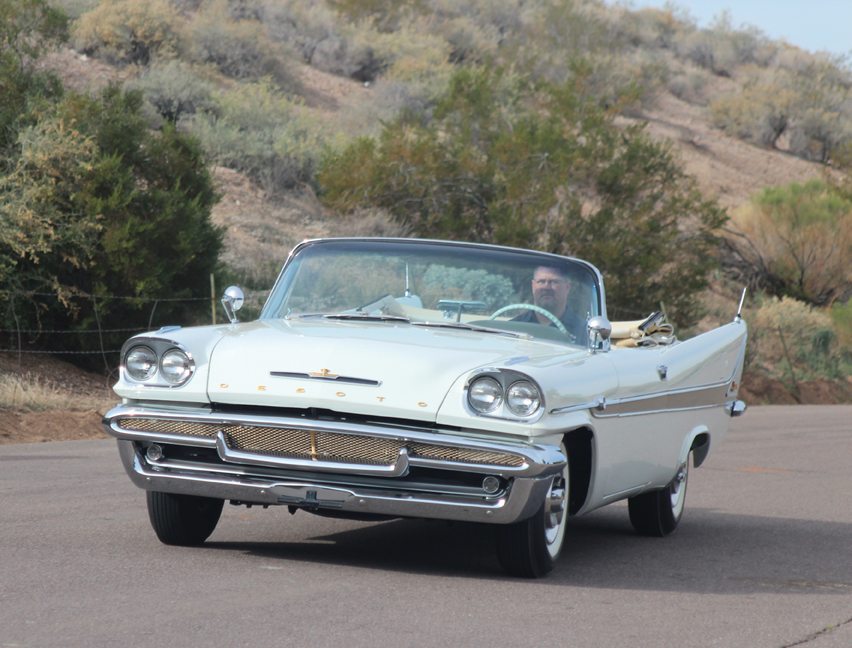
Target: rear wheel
[657, 513]
[183, 520]
[530, 547]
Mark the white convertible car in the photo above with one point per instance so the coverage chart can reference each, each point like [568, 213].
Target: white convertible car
[410, 378]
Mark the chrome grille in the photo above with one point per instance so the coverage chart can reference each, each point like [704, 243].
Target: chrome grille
[318, 445]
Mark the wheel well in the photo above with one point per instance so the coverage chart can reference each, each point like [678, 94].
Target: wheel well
[700, 448]
[578, 444]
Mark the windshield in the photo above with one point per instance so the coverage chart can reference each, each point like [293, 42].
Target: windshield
[438, 284]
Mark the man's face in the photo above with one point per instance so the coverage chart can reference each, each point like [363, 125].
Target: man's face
[550, 290]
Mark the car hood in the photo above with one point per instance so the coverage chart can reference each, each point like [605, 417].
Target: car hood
[376, 368]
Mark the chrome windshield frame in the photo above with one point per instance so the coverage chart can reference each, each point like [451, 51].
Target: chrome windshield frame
[279, 291]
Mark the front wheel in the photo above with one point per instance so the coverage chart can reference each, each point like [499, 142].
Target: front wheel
[183, 520]
[657, 513]
[529, 548]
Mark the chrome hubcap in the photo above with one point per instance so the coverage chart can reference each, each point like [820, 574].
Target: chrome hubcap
[554, 509]
[678, 489]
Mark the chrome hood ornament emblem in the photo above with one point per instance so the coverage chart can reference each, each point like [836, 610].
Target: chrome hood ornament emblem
[326, 374]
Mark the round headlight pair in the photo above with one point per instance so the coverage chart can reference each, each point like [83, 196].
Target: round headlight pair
[486, 395]
[142, 364]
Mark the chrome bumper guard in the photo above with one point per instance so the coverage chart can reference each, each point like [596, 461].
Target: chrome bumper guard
[368, 489]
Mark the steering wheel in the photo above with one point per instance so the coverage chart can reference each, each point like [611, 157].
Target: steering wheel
[535, 309]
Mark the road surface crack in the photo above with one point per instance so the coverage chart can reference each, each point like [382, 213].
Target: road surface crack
[819, 633]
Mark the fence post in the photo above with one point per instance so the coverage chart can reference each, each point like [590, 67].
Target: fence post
[17, 329]
[151, 317]
[100, 332]
[212, 298]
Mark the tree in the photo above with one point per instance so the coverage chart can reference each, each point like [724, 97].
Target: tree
[27, 27]
[153, 194]
[514, 162]
[92, 202]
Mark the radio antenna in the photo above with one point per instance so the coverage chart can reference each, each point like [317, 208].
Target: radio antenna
[739, 314]
[407, 289]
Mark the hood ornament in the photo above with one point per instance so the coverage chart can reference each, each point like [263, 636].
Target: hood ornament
[326, 374]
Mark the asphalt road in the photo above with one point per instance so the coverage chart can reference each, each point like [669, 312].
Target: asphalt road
[762, 558]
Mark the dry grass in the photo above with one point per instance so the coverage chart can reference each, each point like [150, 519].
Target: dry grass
[33, 393]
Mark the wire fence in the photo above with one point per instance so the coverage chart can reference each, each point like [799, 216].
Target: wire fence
[106, 341]
[101, 338]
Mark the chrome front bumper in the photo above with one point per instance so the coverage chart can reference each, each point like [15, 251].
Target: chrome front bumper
[337, 486]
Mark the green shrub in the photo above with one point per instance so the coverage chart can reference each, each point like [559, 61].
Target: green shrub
[127, 31]
[709, 50]
[791, 339]
[575, 42]
[721, 48]
[44, 224]
[689, 85]
[760, 112]
[650, 28]
[258, 131]
[808, 101]
[371, 222]
[416, 58]
[795, 241]
[321, 38]
[174, 90]
[115, 210]
[74, 8]
[841, 314]
[27, 28]
[538, 166]
[238, 48]
[470, 42]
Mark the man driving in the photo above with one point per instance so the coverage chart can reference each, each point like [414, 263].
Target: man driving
[550, 290]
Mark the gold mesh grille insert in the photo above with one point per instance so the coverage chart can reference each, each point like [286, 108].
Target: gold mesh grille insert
[321, 446]
[286, 442]
[340, 447]
[464, 455]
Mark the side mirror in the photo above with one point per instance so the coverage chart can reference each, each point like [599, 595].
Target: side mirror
[600, 329]
[232, 301]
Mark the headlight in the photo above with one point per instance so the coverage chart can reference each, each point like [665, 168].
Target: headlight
[176, 367]
[485, 395]
[141, 363]
[523, 398]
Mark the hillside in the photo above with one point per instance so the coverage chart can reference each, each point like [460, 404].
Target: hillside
[268, 89]
[343, 68]
[726, 168]
[261, 229]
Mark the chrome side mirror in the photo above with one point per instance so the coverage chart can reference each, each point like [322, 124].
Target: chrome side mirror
[232, 301]
[600, 329]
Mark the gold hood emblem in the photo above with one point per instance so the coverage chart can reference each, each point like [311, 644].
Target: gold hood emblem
[322, 373]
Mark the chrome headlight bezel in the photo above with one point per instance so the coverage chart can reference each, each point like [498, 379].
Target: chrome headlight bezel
[523, 398]
[485, 394]
[500, 408]
[161, 350]
[176, 358]
[130, 363]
